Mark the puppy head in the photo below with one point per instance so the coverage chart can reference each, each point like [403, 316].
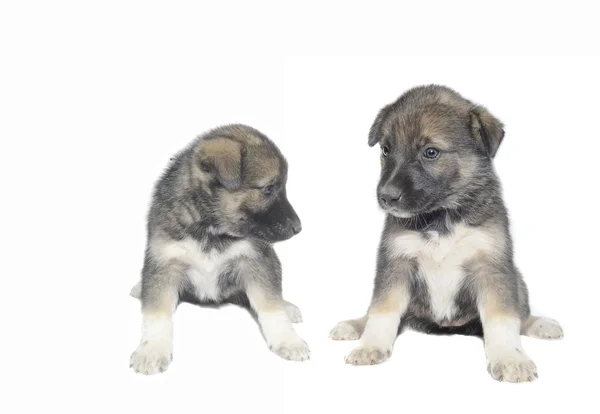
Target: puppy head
[244, 175]
[436, 148]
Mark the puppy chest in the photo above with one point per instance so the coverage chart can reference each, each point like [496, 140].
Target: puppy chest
[209, 272]
[443, 281]
[440, 262]
[204, 278]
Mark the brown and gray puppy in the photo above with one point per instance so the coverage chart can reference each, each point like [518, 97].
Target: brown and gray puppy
[215, 213]
[445, 262]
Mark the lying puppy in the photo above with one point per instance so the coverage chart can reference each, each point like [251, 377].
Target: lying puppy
[445, 261]
[215, 214]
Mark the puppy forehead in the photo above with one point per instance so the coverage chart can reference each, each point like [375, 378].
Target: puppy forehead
[434, 124]
[263, 166]
[442, 126]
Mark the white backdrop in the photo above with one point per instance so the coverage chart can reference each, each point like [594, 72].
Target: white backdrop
[95, 100]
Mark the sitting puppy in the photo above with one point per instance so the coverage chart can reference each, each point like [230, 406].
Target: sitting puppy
[445, 261]
[215, 214]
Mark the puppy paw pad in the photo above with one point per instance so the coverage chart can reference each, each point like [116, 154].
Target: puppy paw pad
[368, 355]
[151, 358]
[513, 369]
[292, 351]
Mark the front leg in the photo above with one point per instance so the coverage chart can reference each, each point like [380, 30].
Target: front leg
[159, 294]
[383, 320]
[264, 293]
[501, 322]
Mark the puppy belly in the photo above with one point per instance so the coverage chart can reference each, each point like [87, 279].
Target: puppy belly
[456, 322]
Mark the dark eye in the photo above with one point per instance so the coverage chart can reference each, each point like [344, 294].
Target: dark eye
[431, 153]
[385, 150]
[268, 190]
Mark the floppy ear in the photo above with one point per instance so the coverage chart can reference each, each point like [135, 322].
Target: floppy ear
[487, 130]
[223, 158]
[375, 131]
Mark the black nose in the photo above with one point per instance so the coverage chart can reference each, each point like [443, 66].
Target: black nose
[390, 195]
[297, 227]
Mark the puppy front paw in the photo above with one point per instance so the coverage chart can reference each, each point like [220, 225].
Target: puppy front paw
[294, 349]
[344, 331]
[368, 355]
[513, 366]
[151, 357]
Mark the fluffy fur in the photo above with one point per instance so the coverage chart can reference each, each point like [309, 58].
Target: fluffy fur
[215, 214]
[445, 261]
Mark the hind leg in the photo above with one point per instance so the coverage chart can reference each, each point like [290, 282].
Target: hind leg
[292, 311]
[136, 291]
[542, 328]
[349, 330]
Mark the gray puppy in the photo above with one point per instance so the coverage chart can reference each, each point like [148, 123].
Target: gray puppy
[215, 213]
[445, 261]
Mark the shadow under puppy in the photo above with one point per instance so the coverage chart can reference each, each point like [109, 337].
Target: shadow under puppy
[445, 261]
[215, 213]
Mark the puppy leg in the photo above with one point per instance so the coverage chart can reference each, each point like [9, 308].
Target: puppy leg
[542, 328]
[381, 328]
[159, 300]
[349, 330]
[502, 337]
[274, 321]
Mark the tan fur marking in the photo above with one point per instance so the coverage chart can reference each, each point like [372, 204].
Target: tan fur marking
[395, 298]
[262, 302]
[494, 309]
[245, 135]
[434, 127]
[225, 155]
[266, 171]
[252, 139]
[162, 307]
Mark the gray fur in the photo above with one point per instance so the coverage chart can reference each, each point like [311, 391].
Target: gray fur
[476, 202]
[439, 190]
[184, 204]
[224, 195]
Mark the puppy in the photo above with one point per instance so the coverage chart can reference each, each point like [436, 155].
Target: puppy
[215, 213]
[445, 261]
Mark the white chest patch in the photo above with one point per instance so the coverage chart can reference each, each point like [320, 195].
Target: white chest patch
[441, 258]
[204, 267]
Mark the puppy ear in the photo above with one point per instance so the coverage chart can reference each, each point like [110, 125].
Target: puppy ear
[375, 131]
[487, 130]
[223, 158]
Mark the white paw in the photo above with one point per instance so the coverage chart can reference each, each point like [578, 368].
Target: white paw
[344, 331]
[368, 355]
[294, 350]
[512, 366]
[545, 328]
[151, 357]
[293, 313]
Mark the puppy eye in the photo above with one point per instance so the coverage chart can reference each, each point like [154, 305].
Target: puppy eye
[268, 190]
[431, 153]
[385, 150]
